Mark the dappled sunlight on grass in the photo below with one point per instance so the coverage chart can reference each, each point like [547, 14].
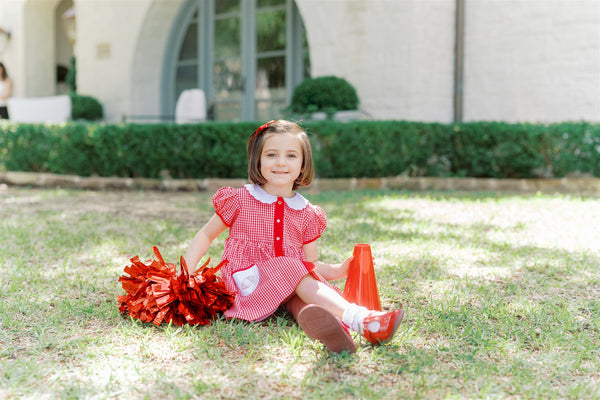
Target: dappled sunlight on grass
[502, 220]
[501, 293]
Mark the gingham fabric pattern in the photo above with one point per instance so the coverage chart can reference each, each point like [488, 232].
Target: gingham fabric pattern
[268, 232]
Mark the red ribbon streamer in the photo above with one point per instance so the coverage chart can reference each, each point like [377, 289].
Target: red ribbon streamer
[156, 293]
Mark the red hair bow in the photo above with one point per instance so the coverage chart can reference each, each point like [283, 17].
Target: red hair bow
[262, 128]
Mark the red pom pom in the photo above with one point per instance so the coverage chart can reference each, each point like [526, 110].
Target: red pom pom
[156, 293]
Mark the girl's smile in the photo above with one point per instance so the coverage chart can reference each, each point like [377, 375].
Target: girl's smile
[281, 163]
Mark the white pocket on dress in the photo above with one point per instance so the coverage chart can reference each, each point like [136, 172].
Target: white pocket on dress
[246, 280]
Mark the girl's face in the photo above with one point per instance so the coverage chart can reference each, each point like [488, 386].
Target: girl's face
[281, 163]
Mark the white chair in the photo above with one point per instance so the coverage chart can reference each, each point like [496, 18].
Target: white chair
[190, 107]
[34, 110]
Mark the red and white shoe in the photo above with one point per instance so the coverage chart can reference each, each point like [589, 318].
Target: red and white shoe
[381, 327]
[321, 325]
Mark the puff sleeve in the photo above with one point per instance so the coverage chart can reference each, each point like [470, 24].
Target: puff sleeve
[226, 204]
[316, 222]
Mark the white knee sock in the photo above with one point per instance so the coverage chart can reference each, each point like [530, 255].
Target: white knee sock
[354, 316]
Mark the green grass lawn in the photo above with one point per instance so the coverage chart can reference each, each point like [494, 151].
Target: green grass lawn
[502, 294]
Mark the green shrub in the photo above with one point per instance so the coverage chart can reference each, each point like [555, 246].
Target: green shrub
[573, 148]
[326, 93]
[71, 78]
[27, 147]
[354, 149]
[85, 108]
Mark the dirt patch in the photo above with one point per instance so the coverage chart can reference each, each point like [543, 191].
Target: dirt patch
[183, 207]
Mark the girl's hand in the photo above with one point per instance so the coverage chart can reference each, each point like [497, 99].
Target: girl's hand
[333, 272]
[345, 267]
[330, 272]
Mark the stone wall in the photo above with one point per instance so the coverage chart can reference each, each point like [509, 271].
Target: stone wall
[579, 186]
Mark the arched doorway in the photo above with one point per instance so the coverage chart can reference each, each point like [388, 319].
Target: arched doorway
[247, 56]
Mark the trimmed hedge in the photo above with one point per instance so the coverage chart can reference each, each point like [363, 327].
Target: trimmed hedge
[354, 149]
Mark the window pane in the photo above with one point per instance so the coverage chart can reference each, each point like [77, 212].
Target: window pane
[227, 111]
[268, 110]
[227, 6]
[227, 69]
[227, 38]
[226, 87]
[270, 87]
[227, 75]
[227, 90]
[270, 30]
[269, 3]
[186, 78]
[270, 74]
[189, 47]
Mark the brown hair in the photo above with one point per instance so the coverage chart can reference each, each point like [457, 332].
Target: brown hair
[3, 73]
[256, 142]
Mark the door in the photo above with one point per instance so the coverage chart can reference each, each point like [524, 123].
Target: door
[247, 56]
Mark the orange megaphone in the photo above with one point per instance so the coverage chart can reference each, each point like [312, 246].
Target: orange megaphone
[361, 284]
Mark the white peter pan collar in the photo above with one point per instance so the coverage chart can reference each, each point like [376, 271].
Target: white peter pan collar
[298, 202]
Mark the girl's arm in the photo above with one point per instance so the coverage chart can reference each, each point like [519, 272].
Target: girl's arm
[200, 243]
[328, 271]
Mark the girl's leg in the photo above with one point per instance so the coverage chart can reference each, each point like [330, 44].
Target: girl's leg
[321, 325]
[376, 326]
[312, 291]
[294, 306]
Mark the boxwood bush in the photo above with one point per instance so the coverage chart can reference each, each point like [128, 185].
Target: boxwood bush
[353, 149]
[85, 108]
[325, 93]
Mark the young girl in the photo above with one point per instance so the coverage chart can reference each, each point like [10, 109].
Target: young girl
[271, 251]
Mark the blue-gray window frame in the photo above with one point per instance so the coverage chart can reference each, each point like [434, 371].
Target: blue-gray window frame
[294, 59]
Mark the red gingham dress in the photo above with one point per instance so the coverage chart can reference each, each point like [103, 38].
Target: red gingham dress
[265, 260]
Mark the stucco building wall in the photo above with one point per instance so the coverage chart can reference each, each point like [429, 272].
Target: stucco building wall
[11, 55]
[149, 58]
[38, 26]
[122, 64]
[398, 54]
[105, 56]
[524, 60]
[29, 55]
[532, 60]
